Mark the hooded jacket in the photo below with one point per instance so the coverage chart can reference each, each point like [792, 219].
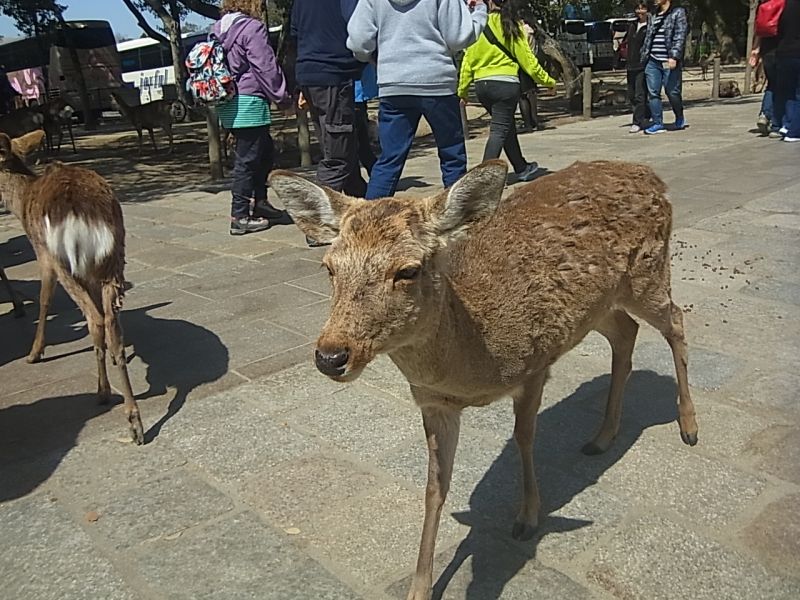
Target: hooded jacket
[251, 59]
[416, 41]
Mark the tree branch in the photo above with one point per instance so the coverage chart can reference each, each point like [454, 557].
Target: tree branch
[144, 25]
[202, 8]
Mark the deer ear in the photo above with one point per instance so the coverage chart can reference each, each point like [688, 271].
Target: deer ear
[473, 197]
[316, 210]
[24, 145]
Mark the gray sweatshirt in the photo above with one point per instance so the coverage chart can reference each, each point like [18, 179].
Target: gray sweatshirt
[415, 42]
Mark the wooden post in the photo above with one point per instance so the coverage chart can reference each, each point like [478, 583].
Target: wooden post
[716, 78]
[587, 92]
[303, 138]
[214, 148]
[751, 25]
[464, 121]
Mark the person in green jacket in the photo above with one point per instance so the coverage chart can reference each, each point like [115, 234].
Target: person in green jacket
[493, 63]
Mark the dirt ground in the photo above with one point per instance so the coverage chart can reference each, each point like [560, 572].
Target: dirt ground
[113, 151]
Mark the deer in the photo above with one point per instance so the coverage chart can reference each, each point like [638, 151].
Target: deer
[21, 121]
[474, 297]
[57, 113]
[147, 116]
[74, 223]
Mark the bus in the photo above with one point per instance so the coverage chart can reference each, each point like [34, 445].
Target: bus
[40, 67]
[587, 43]
[146, 64]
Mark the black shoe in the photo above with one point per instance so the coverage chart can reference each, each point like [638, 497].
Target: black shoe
[312, 243]
[243, 225]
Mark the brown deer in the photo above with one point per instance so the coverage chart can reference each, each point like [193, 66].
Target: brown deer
[147, 116]
[57, 114]
[74, 224]
[473, 298]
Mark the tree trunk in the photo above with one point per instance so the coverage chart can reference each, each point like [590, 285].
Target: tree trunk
[304, 138]
[173, 27]
[214, 148]
[748, 70]
[568, 72]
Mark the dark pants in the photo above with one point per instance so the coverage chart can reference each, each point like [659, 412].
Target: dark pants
[500, 99]
[637, 96]
[771, 72]
[365, 154]
[253, 155]
[397, 123]
[787, 96]
[333, 111]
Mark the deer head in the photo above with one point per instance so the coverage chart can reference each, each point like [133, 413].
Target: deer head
[12, 165]
[387, 282]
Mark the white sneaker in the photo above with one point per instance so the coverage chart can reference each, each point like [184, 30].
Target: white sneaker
[791, 139]
[634, 129]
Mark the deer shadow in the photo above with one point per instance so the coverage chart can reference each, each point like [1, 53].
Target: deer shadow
[35, 437]
[178, 354]
[495, 557]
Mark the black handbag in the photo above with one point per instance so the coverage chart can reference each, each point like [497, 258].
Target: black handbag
[526, 82]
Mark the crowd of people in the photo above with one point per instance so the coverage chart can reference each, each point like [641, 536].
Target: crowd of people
[351, 51]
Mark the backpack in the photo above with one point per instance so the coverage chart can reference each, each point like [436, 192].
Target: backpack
[768, 14]
[210, 81]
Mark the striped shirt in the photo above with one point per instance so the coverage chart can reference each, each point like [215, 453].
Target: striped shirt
[659, 50]
[244, 111]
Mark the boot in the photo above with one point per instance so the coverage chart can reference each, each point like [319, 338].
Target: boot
[263, 209]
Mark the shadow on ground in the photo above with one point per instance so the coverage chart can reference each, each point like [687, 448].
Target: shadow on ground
[562, 474]
[35, 437]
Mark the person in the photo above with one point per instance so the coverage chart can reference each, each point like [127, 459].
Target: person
[416, 41]
[366, 89]
[787, 92]
[637, 88]
[764, 50]
[494, 62]
[259, 80]
[662, 55]
[325, 72]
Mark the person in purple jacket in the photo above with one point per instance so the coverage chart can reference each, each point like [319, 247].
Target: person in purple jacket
[259, 81]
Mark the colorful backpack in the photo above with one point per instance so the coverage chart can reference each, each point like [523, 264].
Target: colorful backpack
[210, 80]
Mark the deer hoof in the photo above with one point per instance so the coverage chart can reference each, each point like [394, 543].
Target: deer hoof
[523, 531]
[137, 431]
[689, 439]
[34, 357]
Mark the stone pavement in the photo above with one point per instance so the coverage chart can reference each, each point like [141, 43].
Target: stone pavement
[262, 479]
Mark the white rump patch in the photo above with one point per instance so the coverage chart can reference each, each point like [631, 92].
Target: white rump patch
[78, 244]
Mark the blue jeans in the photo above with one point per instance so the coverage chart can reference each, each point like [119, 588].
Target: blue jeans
[787, 95]
[658, 77]
[397, 123]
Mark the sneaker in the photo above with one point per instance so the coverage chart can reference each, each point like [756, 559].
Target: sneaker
[654, 129]
[529, 172]
[774, 134]
[243, 225]
[275, 216]
[762, 124]
[634, 129]
[791, 139]
[680, 124]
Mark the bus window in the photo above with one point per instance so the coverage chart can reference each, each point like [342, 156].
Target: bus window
[129, 60]
[150, 57]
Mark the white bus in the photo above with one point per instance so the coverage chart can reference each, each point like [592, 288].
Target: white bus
[147, 64]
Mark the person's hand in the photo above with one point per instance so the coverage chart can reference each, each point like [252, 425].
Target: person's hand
[754, 56]
[302, 103]
[672, 63]
[464, 102]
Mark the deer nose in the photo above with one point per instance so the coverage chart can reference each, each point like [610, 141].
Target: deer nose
[332, 362]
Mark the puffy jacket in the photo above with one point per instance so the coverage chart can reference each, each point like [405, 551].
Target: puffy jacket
[675, 27]
[484, 59]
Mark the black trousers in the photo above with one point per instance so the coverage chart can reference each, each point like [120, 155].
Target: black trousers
[253, 157]
[333, 111]
[637, 96]
[366, 156]
[500, 99]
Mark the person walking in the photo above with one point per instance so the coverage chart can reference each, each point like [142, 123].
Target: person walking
[787, 92]
[662, 55]
[637, 88]
[494, 62]
[415, 42]
[247, 116]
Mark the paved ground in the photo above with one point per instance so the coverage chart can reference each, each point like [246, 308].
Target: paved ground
[262, 479]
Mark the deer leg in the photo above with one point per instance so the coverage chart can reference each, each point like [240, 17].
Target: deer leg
[168, 131]
[139, 132]
[441, 431]
[94, 321]
[526, 407]
[152, 139]
[620, 331]
[667, 317]
[71, 138]
[111, 306]
[19, 310]
[48, 286]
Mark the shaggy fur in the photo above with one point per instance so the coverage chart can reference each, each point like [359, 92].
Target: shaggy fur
[474, 297]
[74, 224]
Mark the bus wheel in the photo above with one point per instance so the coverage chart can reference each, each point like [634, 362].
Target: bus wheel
[179, 111]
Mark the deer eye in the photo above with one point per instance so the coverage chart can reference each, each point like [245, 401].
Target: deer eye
[406, 273]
